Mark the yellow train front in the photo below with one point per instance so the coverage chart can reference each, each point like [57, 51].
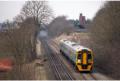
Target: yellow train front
[84, 60]
[80, 56]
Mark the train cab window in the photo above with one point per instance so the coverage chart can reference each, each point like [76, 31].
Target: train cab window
[89, 56]
[79, 56]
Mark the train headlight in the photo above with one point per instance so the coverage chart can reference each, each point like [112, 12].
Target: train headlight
[89, 60]
[79, 61]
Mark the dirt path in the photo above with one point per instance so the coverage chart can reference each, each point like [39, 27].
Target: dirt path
[41, 70]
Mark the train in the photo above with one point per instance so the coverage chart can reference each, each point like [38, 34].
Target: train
[80, 56]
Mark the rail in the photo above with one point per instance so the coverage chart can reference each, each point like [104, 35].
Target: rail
[57, 66]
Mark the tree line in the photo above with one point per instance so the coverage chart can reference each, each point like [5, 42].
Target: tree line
[21, 42]
[105, 34]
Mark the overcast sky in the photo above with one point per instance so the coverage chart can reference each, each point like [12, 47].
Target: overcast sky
[69, 8]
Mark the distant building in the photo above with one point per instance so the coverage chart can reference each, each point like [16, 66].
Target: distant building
[82, 20]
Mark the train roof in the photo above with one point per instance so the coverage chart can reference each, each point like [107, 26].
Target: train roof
[74, 45]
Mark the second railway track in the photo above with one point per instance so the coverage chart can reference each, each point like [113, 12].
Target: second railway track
[60, 70]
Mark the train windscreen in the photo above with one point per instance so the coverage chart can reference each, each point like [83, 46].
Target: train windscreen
[84, 56]
[89, 56]
[79, 56]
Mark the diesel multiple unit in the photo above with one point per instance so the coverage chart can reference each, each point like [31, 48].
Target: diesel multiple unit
[80, 56]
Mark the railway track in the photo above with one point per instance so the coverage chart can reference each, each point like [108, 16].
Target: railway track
[60, 70]
[85, 76]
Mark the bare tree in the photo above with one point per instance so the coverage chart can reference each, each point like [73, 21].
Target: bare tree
[19, 18]
[39, 10]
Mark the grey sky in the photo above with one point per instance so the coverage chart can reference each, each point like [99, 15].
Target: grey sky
[9, 9]
[70, 8]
